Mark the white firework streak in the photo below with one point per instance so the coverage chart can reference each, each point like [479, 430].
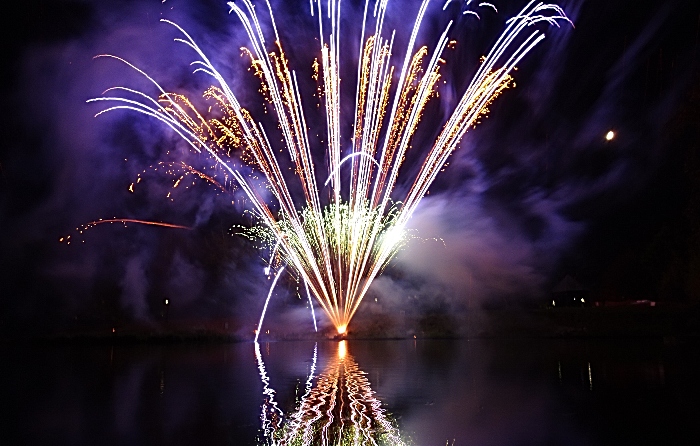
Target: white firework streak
[338, 248]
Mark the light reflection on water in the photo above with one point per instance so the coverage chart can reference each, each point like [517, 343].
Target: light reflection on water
[340, 409]
[422, 392]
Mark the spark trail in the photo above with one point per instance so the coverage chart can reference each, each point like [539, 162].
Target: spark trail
[338, 236]
[124, 221]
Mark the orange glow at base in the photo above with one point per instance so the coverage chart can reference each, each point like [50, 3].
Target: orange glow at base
[342, 329]
[342, 349]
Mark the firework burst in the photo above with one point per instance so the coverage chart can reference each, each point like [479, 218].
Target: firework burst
[337, 224]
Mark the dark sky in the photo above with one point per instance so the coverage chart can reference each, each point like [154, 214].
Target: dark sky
[533, 193]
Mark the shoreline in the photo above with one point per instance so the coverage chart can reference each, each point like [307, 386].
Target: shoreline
[561, 323]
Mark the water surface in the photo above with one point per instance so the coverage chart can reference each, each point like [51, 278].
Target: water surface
[420, 392]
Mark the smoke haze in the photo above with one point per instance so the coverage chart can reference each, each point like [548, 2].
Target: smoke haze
[527, 198]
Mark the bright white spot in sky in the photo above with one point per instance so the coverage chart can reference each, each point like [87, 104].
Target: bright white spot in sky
[610, 135]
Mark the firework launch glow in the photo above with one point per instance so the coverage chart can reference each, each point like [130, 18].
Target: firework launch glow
[336, 224]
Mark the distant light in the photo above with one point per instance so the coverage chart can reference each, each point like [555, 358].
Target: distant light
[166, 301]
[583, 300]
[610, 135]
[554, 304]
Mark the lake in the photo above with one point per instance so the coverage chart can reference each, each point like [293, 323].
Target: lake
[417, 392]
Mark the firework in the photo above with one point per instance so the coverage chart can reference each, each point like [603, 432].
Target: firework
[336, 226]
[123, 221]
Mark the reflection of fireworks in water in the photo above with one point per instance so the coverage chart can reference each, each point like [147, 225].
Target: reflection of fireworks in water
[340, 409]
[341, 234]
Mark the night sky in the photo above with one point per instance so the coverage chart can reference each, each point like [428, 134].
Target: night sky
[533, 194]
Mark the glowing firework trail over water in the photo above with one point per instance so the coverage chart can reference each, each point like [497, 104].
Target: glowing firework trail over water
[338, 236]
[267, 301]
[311, 305]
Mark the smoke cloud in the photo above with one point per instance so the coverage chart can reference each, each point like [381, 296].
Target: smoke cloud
[504, 222]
